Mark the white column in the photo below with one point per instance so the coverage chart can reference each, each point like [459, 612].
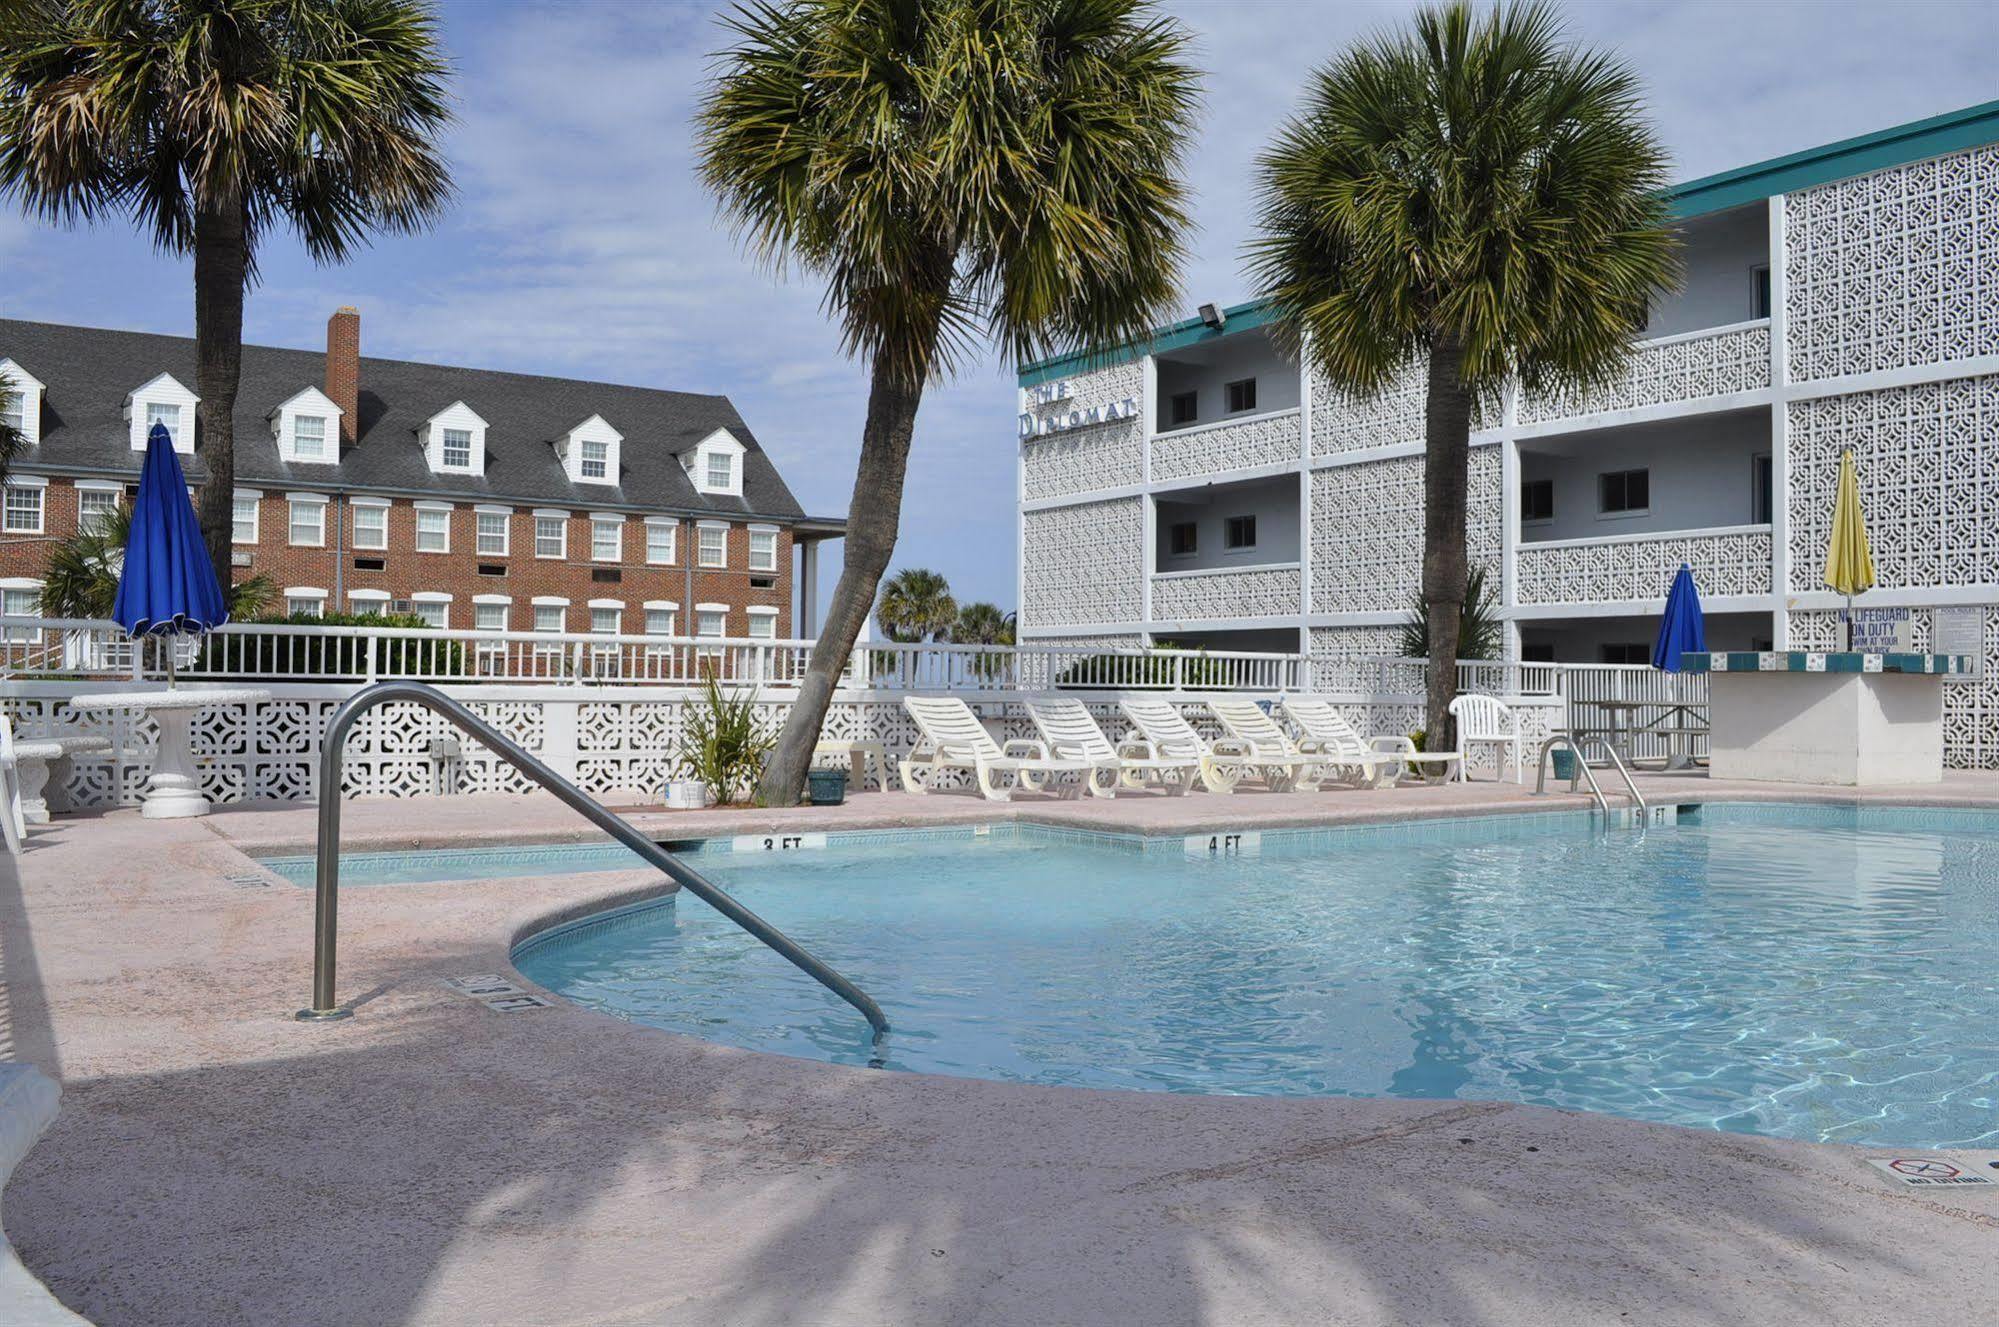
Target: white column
[1304, 498]
[808, 590]
[1780, 432]
[1509, 518]
[1148, 416]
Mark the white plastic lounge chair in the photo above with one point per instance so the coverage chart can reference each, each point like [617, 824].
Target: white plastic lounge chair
[1270, 746]
[1483, 721]
[12, 827]
[953, 738]
[1376, 762]
[1173, 738]
[1072, 734]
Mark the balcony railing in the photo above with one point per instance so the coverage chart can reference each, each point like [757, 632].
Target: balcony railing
[1718, 361]
[1229, 444]
[1267, 590]
[1730, 560]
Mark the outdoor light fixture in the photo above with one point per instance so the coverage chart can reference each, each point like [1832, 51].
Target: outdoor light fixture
[1212, 315]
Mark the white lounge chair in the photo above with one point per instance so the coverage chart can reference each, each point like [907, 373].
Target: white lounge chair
[1072, 734]
[1159, 722]
[1377, 762]
[1483, 721]
[1269, 745]
[953, 738]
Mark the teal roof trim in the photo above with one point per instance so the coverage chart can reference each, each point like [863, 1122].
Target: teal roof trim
[1174, 336]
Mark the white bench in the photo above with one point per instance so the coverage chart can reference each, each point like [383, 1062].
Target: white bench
[42, 765]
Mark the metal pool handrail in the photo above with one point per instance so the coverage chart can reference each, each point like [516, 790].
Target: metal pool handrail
[1583, 771]
[327, 873]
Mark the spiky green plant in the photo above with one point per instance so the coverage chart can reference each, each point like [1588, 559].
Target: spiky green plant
[11, 440]
[209, 122]
[957, 172]
[916, 605]
[1477, 199]
[724, 743]
[1481, 633]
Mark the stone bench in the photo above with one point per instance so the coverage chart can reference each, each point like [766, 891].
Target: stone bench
[38, 760]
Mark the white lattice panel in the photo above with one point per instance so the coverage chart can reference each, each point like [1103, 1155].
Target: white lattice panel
[1613, 570]
[1265, 440]
[1338, 654]
[1894, 268]
[1683, 369]
[1367, 531]
[1081, 460]
[1970, 709]
[1082, 564]
[1391, 418]
[1928, 458]
[1219, 594]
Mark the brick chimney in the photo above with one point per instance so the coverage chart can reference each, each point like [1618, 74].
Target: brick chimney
[343, 369]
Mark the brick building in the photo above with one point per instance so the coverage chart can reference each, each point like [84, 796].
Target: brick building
[474, 499]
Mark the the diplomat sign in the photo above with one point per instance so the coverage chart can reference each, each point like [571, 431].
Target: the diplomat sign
[1039, 420]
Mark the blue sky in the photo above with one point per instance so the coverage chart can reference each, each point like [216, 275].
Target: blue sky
[582, 244]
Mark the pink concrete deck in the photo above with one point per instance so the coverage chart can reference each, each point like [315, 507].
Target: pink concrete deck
[431, 1161]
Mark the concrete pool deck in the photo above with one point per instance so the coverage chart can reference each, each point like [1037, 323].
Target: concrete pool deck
[433, 1161]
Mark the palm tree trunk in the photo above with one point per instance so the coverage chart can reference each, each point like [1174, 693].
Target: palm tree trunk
[221, 264]
[1446, 477]
[874, 516]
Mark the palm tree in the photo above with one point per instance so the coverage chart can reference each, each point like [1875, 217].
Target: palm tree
[11, 439]
[81, 580]
[956, 171]
[1481, 634]
[211, 121]
[982, 624]
[916, 605]
[1476, 196]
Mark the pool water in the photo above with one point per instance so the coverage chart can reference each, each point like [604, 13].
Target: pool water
[1815, 973]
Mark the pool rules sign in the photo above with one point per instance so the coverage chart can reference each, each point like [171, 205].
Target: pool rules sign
[1936, 1172]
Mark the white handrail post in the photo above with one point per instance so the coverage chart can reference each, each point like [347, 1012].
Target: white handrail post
[369, 654]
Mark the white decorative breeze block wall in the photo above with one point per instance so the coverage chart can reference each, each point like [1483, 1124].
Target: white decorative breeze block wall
[1894, 268]
[1391, 418]
[1265, 440]
[1583, 571]
[1970, 708]
[1928, 458]
[1367, 531]
[1083, 564]
[1083, 459]
[1225, 594]
[1684, 369]
[1337, 653]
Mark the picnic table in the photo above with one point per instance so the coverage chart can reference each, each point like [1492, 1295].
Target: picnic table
[1676, 720]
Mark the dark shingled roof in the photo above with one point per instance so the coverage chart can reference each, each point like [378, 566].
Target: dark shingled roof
[88, 372]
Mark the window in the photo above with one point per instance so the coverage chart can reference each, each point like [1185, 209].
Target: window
[1537, 499]
[22, 602]
[14, 410]
[489, 617]
[713, 546]
[721, 470]
[763, 550]
[659, 542]
[243, 521]
[1183, 538]
[659, 621]
[1625, 652]
[309, 437]
[551, 536]
[159, 413]
[711, 622]
[1239, 532]
[458, 449]
[434, 612]
[1759, 287]
[305, 605]
[490, 533]
[1242, 395]
[549, 617]
[308, 523]
[23, 509]
[371, 526]
[1183, 407]
[763, 626]
[607, 538]
[95, 505]
[433, 530]
[367, 603]
[1624, 493]
[604, 621]
[1541, 652]
[596, 459]
[1760, 488]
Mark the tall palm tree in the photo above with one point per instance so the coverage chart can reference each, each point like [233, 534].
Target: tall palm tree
[1478, 196]
[211, 121]
[956, 171]
[916, 605]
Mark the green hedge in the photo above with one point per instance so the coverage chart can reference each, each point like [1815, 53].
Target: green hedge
[393, 656]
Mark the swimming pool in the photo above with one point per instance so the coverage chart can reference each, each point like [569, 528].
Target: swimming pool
[1810, 972]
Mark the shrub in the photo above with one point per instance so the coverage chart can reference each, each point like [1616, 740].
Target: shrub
[725, 743]
[394, 656]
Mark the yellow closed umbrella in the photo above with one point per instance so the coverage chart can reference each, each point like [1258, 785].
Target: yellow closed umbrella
[1849, 566]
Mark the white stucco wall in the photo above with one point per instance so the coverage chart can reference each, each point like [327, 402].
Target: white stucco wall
[1719, 254]
[1209, 368]
[1273, 502]
[1701, 475]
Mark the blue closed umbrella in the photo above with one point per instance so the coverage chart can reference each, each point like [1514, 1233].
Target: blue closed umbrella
[1682, 628]
[167, 586]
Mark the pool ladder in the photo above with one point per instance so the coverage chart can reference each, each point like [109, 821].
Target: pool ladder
[1584, 774]
[326, 879]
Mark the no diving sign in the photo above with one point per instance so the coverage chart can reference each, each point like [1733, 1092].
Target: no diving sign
[1935, 1172]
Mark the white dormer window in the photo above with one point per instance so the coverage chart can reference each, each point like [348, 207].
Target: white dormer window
[162, 401]
[716, 464]
[589, 452]
[307, 428]
[21, 410]
[454, 441]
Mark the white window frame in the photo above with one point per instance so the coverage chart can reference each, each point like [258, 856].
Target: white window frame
[28, 389]
[506, 519]
[669, 608]
[720, 442]
[617, 528]
[22, 585]
[305, 594]
[88, 489]
[657, 526]
[163, 390]
[294, 504]
[433, 509]
[255, 498]
[34, 484]
[458, 417]
[433, 599]
[702, 530]
[561, 607]
[763, 532]
[702, 612]
[489, 658]
[359, 505]
[360, 602]
[762, 622]
[300, 452]
[596, 431]
[562, 528]
[310, 403]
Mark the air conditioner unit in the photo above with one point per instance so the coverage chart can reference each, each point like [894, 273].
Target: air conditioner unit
[239, 557]
[401, 606]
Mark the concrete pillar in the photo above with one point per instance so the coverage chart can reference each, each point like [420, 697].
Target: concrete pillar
[808, 590]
